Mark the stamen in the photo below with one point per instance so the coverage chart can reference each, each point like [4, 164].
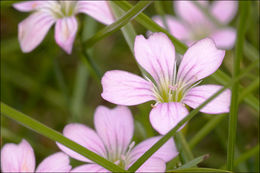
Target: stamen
[173, 87]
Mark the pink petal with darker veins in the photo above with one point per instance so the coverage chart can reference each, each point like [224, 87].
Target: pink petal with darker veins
[199, 94]
[166, 116]
[84, 136]
[124, 88]
[200, 60]
[115, 127]
[156, 55]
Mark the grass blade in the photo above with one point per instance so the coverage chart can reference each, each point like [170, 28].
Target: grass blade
[241, 30]
[183, 148]
[56, 136]
[193, 162]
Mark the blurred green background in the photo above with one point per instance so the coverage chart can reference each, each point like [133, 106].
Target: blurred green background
[57, 89]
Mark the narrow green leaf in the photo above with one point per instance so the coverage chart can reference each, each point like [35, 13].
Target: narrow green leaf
[250, 51]
[127, 30]
[122, 21]
[198, 170]
[168, 135]
[245, 156]
[79, 92]
[253, 86]
[206, 129]
[194, 162]
[241, 30]
[56, 136]
[185, 153]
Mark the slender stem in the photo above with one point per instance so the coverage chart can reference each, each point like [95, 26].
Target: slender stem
[253, 86]
[183, 148]
[243, 11]
[56, 136]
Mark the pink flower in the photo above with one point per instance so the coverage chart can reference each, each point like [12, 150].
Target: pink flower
[20, 158]
[111, 140]
[192, 25]
[169, 86]
[33, 29]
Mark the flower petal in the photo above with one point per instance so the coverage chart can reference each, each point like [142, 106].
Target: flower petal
[167, 152]
[176, 27]
[153, 165]
[165, 116]
[58, 162]
[224, 38]
[27, 6]
[33, 29]
[84, 136]
[89, 168]
[124, 88]
[198, 95]
[17, 158]
[99, 10]
[115, 127]
[190, 13]
[224, 11]
[156, 55]
[65, 32]
[200, 60]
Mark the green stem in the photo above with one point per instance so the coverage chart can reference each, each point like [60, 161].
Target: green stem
[56, 136]
[243, 11]
[253, 86]
[183, 148]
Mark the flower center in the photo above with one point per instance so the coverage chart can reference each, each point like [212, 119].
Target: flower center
[168, 92]
[61, 9]
[172, 90]
[121, 158]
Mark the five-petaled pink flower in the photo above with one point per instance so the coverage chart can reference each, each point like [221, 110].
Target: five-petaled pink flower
[170, 86]
[192, 25]
[34, 28]
[114, 131]
[20, 158]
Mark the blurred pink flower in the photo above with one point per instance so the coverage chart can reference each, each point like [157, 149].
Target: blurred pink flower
[111, 140]
[169, 88]
[33, 29]
[20, 158]
[192, 25]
